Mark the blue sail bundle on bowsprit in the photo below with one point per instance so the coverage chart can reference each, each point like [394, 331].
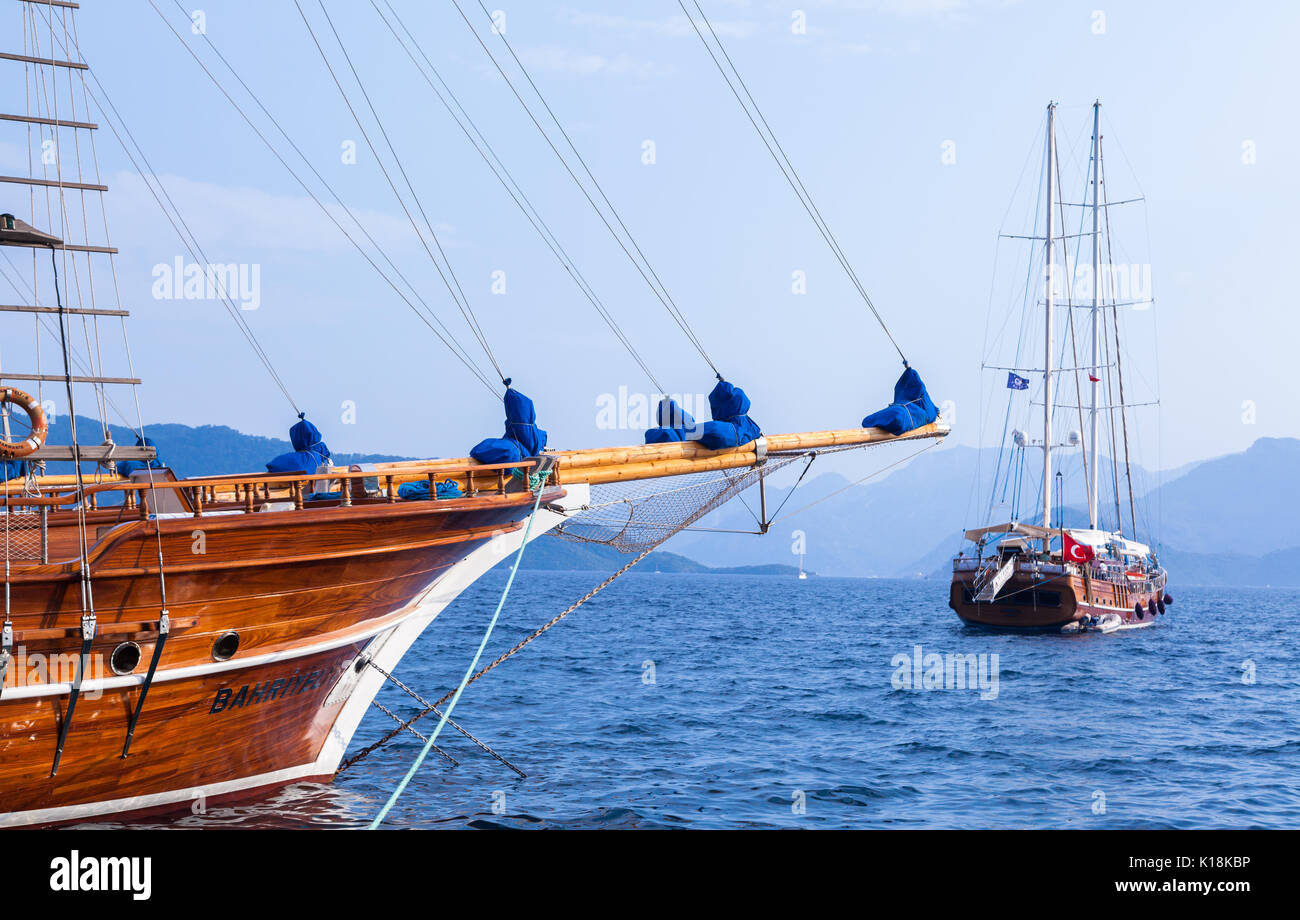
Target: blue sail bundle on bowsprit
[309, 452]
[911, 408]
[731, 426]
[522, 437]
[675, 424]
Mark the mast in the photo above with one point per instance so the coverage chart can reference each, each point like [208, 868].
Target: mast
[1047, 347]
[1095, 375]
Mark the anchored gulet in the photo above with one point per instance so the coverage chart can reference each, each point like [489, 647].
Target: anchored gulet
[1048, 575]
[218, 636]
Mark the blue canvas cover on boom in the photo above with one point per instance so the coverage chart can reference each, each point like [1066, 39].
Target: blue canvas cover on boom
[522, 436]
[675, 424]
[309, 452]
[731, 426]
[911, 408]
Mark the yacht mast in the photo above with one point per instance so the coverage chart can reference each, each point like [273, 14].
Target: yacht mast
[1047, 351]
[1094, 374]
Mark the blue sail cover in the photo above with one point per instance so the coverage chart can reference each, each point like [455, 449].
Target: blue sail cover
[731, 426]
[309, 452]
[522, 437]
[127, 467]
[675, 424]
[12, 469]
[910, 409]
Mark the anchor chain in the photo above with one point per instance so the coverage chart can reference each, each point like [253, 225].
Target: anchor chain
[416, 732]
[430, 707]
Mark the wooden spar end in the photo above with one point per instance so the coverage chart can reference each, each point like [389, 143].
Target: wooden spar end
[652, 461]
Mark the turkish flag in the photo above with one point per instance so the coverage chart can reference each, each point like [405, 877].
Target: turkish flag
[1076, 551]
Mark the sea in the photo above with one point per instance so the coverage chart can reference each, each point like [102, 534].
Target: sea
[734, 701]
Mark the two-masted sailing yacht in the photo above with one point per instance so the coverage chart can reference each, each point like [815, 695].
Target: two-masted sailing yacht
[167, 638]
[1047, 574]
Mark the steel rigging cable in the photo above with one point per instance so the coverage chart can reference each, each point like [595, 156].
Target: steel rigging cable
[188, 240]
[646, 271]
[461, 354]
[508, 182]
[783, 163]
[448, 339]
[453, 284]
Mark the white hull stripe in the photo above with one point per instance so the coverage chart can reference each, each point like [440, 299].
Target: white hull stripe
[66, 813]
[216, 667]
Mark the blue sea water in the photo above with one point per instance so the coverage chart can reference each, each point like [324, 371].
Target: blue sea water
[717, 701]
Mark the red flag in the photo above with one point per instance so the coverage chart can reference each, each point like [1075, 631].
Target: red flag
[1076, 551]
[1092, 379]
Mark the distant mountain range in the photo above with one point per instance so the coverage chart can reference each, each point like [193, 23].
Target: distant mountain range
[209, 450]
[1233, 520]
[557, 554]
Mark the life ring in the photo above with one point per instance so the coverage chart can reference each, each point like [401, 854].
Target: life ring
[16, 450]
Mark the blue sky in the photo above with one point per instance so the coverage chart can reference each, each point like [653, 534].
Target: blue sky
[864, 102]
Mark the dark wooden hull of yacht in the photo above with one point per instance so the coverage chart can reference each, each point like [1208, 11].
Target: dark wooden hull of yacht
[304, 590]
[1050, 601]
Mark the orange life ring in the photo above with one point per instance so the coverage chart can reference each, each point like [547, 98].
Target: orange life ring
[10, 450]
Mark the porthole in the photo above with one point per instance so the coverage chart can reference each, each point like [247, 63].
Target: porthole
[125, 658]
[225, 647]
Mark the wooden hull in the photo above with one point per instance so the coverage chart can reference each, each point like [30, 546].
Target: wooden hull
[1049, 600]
[307, 592]
[313, 589]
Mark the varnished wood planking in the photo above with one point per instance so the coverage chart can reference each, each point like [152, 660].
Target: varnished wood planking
[336, 573]
[180, 743]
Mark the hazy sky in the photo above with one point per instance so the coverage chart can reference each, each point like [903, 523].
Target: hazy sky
[911, 122]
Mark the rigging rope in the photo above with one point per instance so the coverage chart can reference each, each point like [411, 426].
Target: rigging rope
[487, 634]
[1119, 367]
[447, 340]
[642, 265]
[188, 240]
[453, 284]
[858, 482]
[518, 647]
[462, 355]
[783, 163]
[508, 182]
[1087, 450]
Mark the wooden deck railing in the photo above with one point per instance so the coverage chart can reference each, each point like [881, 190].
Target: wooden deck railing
[247, 492]
[593, 467]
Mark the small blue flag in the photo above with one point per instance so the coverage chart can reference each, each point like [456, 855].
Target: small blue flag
[1016, 382]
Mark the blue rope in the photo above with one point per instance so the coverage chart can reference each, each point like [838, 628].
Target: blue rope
[428, 745]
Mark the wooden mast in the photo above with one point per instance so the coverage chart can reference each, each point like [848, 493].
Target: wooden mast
[1094, 374]
[1047, 349]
